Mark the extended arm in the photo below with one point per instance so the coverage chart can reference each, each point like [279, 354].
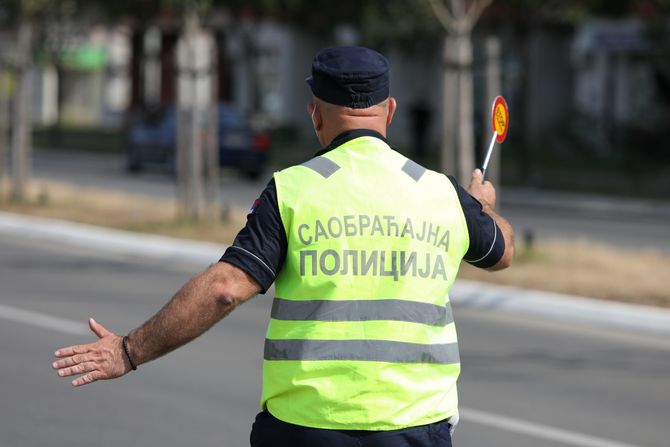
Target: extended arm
[200, 303]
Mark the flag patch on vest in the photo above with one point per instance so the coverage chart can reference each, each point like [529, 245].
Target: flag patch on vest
[254, 205]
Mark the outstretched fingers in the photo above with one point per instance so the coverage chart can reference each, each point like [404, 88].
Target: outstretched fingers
[101, 360]
[79, 368]
[73, 350]
[73, 360]
[88, 378]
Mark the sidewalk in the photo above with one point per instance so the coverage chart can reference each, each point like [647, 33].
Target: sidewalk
[643, 319]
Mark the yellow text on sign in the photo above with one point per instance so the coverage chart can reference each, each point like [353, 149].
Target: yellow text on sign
[500, 119]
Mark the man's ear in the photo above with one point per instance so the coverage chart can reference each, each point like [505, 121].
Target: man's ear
[315, 113]
[392, 107]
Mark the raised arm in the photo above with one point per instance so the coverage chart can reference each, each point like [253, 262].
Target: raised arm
[486, 194]
[200, 303]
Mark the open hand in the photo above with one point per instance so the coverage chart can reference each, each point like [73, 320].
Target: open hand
[101, 360]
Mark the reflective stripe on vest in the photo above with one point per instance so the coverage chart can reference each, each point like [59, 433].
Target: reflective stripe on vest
[322, 165]
[361, 335]
[364, 350]
[362, 310]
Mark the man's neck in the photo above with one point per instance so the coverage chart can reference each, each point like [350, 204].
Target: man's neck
[328, 135]
[349, 135]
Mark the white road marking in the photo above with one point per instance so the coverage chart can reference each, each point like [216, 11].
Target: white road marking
[43, 320]
[467, 414]
[536, 430]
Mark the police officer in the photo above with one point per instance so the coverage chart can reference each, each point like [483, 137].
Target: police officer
[363, 246]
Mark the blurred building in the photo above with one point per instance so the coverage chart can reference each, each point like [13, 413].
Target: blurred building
[615, 86]
[89, 72]
[81, 75]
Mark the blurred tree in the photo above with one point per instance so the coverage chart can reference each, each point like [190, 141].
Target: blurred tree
[26, 16]
[458, 17]
[407, 24]
[380, 23]
[197, 112]
[21, 126]
[32, 16]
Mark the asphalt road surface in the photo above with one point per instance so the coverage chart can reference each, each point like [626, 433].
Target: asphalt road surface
[526, 382]
[544, 221]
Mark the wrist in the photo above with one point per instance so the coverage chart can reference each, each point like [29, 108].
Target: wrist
[486, 206]
[127, 354]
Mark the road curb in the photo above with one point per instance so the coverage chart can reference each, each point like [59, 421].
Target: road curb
[465, 293]
[119, 242]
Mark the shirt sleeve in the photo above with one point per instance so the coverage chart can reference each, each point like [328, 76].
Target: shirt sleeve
[260, 247]
[487, 244]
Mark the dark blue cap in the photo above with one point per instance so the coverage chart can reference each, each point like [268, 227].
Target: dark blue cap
[355, 77]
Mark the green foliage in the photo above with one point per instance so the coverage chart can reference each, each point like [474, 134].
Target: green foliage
[113, 10]
[411, 22]
[571, 12]
[378, 21]
[406, 22]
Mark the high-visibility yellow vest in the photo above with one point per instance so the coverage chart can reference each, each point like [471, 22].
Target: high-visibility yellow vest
[361, 335]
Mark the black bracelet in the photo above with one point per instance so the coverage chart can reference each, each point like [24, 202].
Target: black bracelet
[127, 351]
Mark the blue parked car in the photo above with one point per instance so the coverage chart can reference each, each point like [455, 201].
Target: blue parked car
[153, 142]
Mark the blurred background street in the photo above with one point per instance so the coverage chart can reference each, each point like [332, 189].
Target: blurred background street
[170, 116]
[619, 221]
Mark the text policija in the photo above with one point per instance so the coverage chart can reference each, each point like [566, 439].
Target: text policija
[393, 263]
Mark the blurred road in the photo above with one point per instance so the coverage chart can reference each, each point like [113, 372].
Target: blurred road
[526, 382]
[632, 224]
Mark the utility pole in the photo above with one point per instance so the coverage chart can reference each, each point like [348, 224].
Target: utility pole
[458, 18]
[21, 131]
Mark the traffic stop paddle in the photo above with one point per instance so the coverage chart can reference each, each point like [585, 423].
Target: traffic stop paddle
[499, 125]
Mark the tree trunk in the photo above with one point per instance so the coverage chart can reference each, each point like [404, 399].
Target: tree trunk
[458, 142]
[21, 132]
[212, 146]
[449, 113]
[190, 186]
[493, 88]
[196, 179]
[195, 175]
[525, 163]
[4, 129]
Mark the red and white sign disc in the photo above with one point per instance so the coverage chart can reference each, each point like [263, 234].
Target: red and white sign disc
[500, 118]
